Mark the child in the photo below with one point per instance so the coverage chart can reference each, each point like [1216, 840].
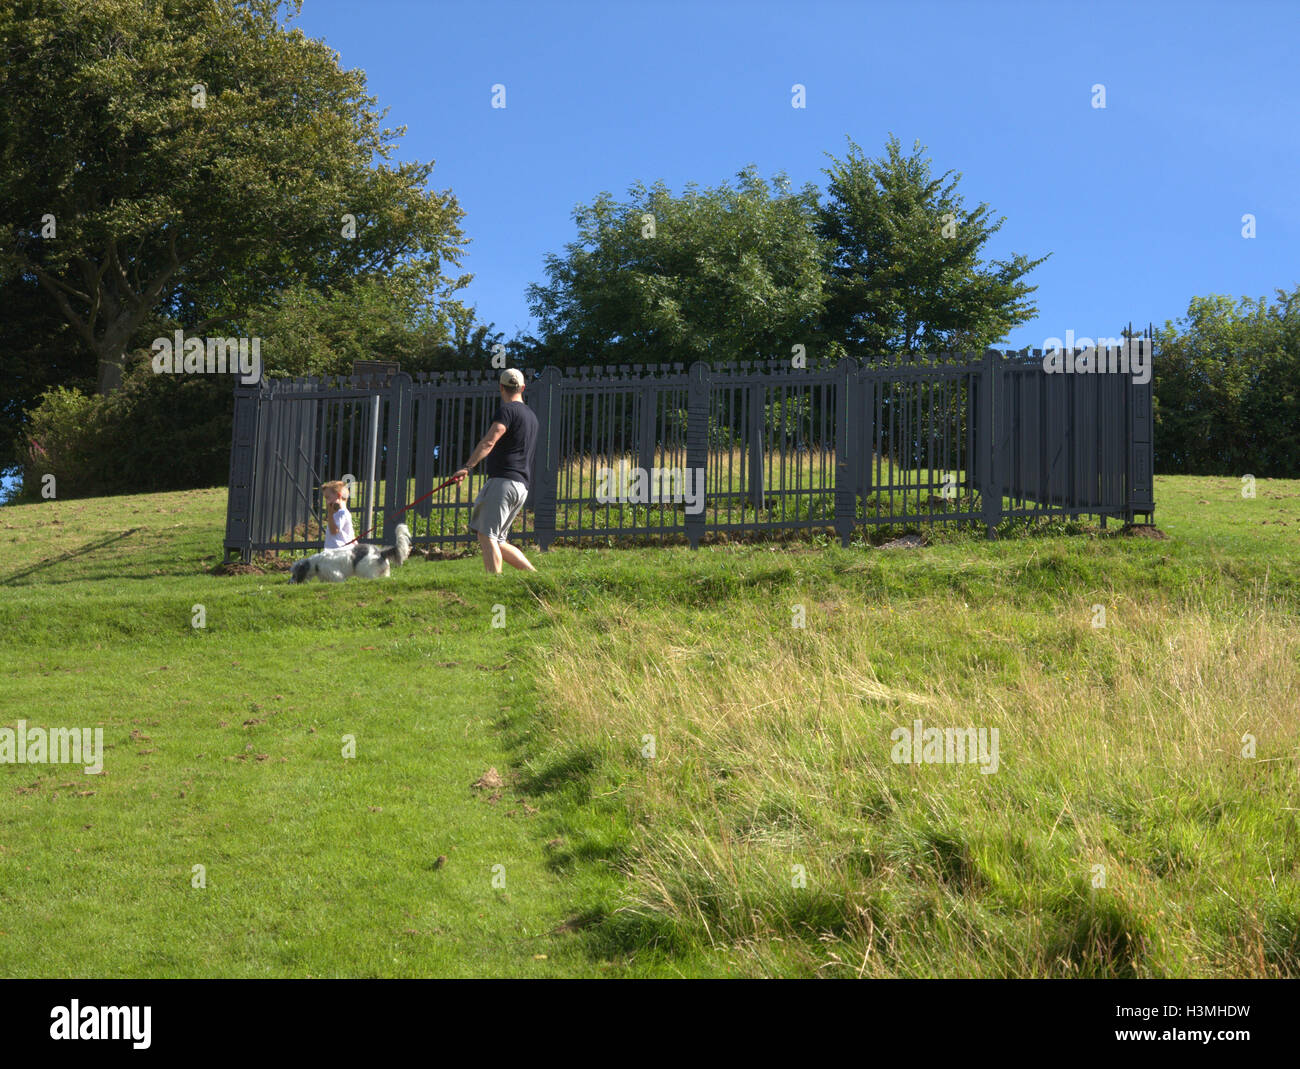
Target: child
[340, 519]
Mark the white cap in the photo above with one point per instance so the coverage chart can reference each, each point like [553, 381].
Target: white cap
[512, 378]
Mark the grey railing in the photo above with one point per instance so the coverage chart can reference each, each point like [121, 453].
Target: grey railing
[967, 439]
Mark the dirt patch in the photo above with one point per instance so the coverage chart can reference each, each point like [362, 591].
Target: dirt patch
[444, 554]
[236, 568]
[490, 780]
[1144, 530]
[911, 541]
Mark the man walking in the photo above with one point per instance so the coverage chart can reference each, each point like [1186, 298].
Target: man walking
[508, 446]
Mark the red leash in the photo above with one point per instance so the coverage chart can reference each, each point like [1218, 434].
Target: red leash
[412, 505]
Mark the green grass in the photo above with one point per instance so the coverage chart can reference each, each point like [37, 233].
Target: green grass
[1120, 748]
[224, 749]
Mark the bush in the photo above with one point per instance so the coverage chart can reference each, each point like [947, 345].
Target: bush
[61, 440]
[158, 432]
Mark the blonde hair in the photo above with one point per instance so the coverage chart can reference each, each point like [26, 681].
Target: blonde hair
[339, 487]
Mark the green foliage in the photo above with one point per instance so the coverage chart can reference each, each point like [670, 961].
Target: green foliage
[194, 213]
[1227, 388]
[37, 351]
[62, 441]
[904, 273]
[167, 432]
[307, 332]
[726, 273]
[889, 263]
[159, 432]
[788, 422]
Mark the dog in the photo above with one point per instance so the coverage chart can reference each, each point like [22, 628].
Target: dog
[368, 562]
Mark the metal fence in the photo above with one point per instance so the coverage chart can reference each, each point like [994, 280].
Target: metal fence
[684, 453]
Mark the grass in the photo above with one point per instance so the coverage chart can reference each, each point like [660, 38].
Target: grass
[694, 785]
[225, 749]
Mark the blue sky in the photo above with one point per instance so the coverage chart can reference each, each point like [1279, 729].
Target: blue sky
[1140, 203]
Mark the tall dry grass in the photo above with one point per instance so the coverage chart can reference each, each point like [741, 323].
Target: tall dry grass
[772, 826]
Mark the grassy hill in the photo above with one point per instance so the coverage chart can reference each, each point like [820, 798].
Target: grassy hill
[692, 783]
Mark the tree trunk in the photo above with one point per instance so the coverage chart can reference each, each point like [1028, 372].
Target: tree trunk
[110, 349]
[112, 300]
[110, 374]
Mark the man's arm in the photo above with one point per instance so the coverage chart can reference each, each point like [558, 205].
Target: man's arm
[481, 450]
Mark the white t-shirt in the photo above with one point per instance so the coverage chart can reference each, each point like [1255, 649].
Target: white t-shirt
[343, 521]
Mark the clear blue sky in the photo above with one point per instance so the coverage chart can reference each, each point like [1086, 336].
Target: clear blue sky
[1140, 204]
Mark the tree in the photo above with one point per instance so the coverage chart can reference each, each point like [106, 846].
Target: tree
[37, 354]
[904, 273]
[1226, 379]
[189, 158]
[731, 272]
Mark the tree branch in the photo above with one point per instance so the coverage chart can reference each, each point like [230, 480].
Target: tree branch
[56, 289]
[50, 281]
[121, 273]
[199, 328]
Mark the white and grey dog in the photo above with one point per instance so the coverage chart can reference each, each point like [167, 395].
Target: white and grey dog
[368, 562]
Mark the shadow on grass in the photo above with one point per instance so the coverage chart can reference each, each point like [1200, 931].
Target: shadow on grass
[1280, 941]
[1098, 936]
[589, 851]
[73, 554]
[624, 933]
[569, 770]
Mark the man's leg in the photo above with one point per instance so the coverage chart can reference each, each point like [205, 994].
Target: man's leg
[514, 557]
[491, 553]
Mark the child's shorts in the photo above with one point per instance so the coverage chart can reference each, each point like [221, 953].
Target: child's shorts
[496, 507]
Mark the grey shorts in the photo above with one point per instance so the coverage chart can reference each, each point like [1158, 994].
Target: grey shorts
[496, 507]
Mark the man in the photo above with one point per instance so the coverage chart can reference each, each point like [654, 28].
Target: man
[508, 446]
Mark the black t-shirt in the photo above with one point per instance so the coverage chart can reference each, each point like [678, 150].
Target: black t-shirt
[512, 456]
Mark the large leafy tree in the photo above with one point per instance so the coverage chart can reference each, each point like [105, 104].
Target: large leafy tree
[904, 269]
[163, 210]
[730, 272]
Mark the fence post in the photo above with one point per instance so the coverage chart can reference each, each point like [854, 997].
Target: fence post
[374, 407]
[546, 461]
[757, 393]
[648, 420]
[848, 439]
[863, 414]
[697, 445]
[397, 458]
[1141, 455]
[242, 490]
[991, 489]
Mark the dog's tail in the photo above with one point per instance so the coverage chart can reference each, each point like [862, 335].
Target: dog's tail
[398, 553]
